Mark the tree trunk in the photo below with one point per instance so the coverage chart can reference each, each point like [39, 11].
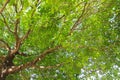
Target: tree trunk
[3, 76]
[5, 65]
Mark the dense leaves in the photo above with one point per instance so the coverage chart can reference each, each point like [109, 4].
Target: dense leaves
[87, 31]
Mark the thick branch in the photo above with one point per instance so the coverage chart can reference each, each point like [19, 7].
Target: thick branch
[16, 30]
[16, 25]
[19, 42]
[1, 10]
[32, 63]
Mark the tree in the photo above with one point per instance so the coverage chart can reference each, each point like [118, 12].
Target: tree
[59, 39]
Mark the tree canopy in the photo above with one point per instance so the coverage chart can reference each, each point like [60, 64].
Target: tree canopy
[59, 39]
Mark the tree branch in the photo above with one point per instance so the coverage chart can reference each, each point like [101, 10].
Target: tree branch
[46, 52]
[33, 62]
[19, 42]
[1, 10]
[78, 20]
[60, 17]
[5, 22]
[6, 44]
[16, 30]
[26, 35]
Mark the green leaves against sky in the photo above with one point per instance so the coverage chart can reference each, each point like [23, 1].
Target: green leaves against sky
[90, 51]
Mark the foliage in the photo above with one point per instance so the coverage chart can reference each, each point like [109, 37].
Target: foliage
[61, 39]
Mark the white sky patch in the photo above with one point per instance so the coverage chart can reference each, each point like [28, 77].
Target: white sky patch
[81, 76]
[33, 76]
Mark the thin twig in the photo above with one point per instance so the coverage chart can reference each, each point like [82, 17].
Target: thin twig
[46, 52]
[78, 20]
[1, 10]
[25, 36]
[6, 44]
[5, 22]
[60, 17]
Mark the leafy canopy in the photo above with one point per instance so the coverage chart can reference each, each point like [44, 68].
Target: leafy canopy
[87, 31]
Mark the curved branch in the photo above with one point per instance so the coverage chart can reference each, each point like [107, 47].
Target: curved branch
[1, 10]
[46, 52]
[32, 63]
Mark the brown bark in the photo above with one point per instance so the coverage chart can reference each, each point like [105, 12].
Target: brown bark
[8, 66]
[5, 65]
